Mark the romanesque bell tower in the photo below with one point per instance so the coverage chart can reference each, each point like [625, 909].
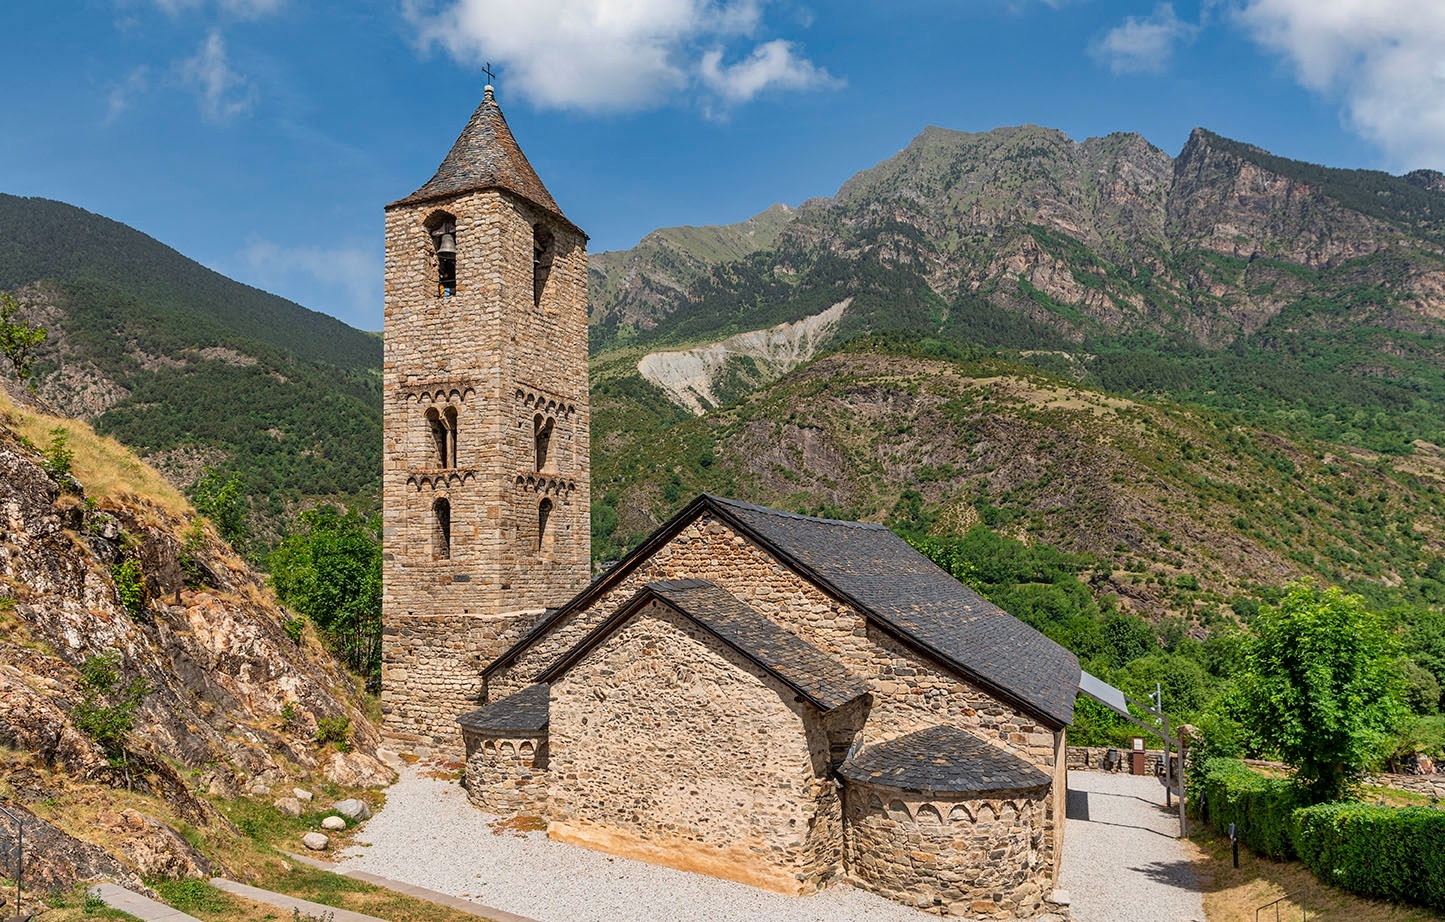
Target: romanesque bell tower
[486, 482]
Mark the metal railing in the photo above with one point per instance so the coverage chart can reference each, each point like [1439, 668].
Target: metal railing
[1304, 896]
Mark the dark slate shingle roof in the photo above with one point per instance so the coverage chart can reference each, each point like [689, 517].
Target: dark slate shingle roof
[525, 712]
[910, 594]
[486, 156]
[811, 672]
[943, 759]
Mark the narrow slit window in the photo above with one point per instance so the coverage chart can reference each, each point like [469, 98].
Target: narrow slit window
[544, 247]
[542, 439]
[544, 535]
[441, 530]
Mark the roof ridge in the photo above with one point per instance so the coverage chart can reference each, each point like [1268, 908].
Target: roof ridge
[781, 513]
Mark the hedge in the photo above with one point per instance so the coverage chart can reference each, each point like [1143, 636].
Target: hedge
[1259, 807]
[1395, 854]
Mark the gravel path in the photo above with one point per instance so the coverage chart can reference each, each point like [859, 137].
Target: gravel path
[1122, 861]
[429, 835]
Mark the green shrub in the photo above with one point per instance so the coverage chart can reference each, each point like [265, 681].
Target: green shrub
[1259, 807]
[192, 895]
[130, 586]
[1395, 854]
[334, 730]
[58, 456]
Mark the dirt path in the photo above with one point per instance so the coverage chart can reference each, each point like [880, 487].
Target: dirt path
[1122, 862]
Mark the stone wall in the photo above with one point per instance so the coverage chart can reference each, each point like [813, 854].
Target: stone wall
[496, 364]
[505, 774]
[1092, 758]
[910, 692]
[951, 855]
[668, 746]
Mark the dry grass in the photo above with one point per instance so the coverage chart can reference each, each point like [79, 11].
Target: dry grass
[1233, 895]
[107, 468]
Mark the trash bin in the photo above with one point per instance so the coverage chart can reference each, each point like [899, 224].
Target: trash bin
[1111, 760]
[1136, 757]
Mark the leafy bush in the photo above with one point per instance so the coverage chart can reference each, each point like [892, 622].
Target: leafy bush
[130, 587]
[58, 456]
[1259, 807]
[333, 730]
[1395, 854]
[191, 895]
[108, 710]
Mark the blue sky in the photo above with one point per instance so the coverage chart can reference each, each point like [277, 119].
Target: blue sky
[263, 137]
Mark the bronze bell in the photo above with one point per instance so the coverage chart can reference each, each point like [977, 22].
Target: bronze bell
[447, 244]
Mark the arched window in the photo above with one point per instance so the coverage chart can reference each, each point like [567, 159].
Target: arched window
[544, 536]
[544, 247]
[443, 230]
[542, 438]
[437, 429]
[441, 532]
[449, 418]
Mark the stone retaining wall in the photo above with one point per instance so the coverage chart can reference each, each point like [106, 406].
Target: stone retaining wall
[1091, 759]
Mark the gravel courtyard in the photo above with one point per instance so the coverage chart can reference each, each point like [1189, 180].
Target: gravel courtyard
[429, 835]
[1121, 860]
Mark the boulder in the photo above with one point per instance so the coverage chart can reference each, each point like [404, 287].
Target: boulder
[333, 822]
[353, 809]
[302, 795]
[358, 770]
[289, 806]
[315, 841]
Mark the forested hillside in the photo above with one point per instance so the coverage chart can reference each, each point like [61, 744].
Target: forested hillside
[190, 368]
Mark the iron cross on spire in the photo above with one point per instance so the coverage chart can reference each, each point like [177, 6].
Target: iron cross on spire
[491, 77]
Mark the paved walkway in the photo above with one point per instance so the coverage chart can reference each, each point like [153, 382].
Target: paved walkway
[287, 903]
[143, 908]
[1123, 861]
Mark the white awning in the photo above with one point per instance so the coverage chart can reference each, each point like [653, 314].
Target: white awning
[1104, 693]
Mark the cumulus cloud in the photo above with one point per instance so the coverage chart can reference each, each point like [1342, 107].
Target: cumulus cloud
[1382, 59]
[348, 275]
[224, 94]
[772, 64]
[1143, 45]
[615, 55]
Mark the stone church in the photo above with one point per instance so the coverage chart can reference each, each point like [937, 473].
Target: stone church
[761, 696]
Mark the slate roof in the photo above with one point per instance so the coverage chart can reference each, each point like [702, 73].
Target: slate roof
[900, 590]
[821, 680]
[913, 596]
[943, 759]
[525, 712]
[486, 156]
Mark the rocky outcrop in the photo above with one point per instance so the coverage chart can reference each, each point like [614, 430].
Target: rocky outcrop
[229, 700]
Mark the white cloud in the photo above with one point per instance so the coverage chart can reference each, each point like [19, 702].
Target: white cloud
[771, 65]
[244, 9]
[348, 274]
[1384, 60]
[614, 55]
[224, 94]
[1140, 46]
[125, 92]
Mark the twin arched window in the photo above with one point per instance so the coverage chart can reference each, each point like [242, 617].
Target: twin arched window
[542, 427]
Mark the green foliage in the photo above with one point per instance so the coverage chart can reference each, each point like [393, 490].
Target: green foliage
[222, 499]
[18, 339]
[1387, 853]
[193, 548]
[107, 713]
[334, 730]
[130, 586]
[191, 895]
[1259, 807]
[329, 571]
[288, 715]
[1320, 685]
[57, 457]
